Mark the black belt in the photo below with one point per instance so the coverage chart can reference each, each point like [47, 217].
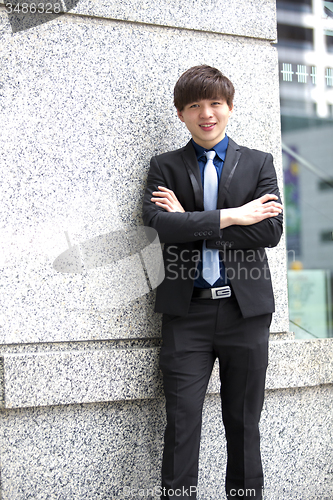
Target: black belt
[220, 292]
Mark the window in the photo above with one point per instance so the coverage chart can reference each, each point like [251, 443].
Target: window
[327, 236]
[326, 185]
[329, 77]
[298, 107]
[295, 5]
[329, 40]
[297, 37]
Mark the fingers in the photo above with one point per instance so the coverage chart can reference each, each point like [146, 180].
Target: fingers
[163, 198]
[163, 188]
[165, 193]
[256, 210]
[166, 199]
[265, 200]
[270, 206]
[267, 197]
[163, 202]
[164, 205]
[274, 208]
[267, 210]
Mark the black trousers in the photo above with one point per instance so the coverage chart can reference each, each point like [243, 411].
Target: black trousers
[213, 329]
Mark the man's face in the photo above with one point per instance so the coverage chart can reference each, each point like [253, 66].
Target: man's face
[206, 120]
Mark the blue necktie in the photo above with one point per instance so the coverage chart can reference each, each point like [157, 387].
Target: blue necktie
[210, 258]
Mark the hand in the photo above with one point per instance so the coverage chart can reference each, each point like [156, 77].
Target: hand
[167, 199]
[252, 212]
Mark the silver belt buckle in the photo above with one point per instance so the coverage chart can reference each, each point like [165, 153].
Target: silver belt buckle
[221, 292]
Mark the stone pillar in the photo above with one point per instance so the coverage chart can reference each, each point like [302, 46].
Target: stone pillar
[86, 100]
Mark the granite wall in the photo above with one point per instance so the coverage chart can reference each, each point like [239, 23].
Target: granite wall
[85, 101]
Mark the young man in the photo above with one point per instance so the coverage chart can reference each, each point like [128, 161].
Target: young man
[216, 206]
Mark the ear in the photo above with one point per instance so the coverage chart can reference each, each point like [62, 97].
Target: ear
[231, 109]
[180, 115]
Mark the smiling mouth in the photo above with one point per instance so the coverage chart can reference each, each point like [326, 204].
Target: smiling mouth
[207, 125]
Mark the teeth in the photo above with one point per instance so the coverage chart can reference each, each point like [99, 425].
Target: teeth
[206, 126]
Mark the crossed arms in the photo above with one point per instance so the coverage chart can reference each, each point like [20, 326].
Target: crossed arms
[255, 211]
[255, 224]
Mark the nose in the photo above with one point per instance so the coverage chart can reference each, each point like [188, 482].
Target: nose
[205, 111]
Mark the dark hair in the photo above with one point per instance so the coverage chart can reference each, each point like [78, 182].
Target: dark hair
[202, 82]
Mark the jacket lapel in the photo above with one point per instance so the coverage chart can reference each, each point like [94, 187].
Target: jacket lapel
[229, 167]
[191, 163]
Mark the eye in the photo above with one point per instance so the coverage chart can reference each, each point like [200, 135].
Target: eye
[193, 105]
[216, 103]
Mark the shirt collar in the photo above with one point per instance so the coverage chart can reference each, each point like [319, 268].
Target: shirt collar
[220, 148]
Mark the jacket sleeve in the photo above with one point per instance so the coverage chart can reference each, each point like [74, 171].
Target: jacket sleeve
[200, 225]
[266, 233]
[176, 227]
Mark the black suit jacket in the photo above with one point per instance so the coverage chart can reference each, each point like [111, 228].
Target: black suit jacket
[247, 174]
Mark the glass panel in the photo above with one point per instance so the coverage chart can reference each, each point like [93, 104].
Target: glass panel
[295, 36]
[305, 48]
[296, 5]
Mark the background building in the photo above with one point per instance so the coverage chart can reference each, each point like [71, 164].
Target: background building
[305, 49]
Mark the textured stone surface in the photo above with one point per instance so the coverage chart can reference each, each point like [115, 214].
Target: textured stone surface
[300, 363]
[297, 438]
[94, 451]
[255, 18]
[85, 103]
[53, 378]
[82, 452]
